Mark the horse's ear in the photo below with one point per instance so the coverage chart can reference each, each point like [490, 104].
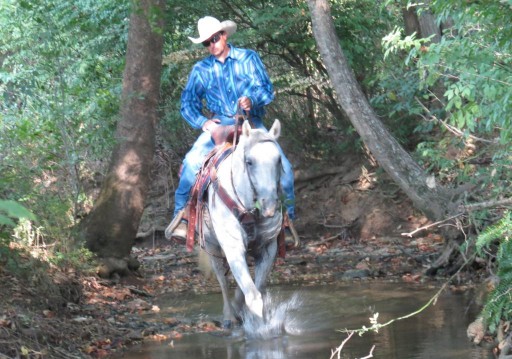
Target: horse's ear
[275, 130]
[246, 128]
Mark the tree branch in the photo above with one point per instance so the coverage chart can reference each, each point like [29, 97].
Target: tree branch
[451, 128]
[487, 204]
[464, 208]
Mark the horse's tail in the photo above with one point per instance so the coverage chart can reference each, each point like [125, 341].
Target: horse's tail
[205, 265]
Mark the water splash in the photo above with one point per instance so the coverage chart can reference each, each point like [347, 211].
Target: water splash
[280, 317]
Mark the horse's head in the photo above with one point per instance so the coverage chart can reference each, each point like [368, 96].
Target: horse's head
[262, 161]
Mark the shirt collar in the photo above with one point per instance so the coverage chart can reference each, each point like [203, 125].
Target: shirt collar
[234, 54]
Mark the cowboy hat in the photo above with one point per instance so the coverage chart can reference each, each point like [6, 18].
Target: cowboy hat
[208, 25]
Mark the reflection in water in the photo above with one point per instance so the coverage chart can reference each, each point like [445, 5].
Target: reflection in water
[305, 324]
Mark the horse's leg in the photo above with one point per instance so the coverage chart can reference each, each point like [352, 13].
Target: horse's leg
[220, 271]
[238, 301]
[216, 259]
[264, 262]
[235, 256]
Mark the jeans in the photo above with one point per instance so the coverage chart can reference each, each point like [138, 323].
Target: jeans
[195, 157]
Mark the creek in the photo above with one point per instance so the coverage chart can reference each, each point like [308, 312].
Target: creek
[305, 322]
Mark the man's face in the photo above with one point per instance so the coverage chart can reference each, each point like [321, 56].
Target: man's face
[216, 44]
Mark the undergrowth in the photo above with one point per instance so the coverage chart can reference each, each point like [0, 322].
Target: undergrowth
[499, 304]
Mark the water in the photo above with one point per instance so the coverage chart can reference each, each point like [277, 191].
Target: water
[305, 322]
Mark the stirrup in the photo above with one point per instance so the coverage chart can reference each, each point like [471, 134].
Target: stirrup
[288, 224]
[295, 235]
[174, 224]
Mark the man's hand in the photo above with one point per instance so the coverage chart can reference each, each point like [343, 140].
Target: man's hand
[222, 134]
[245, 103]
[211, 124]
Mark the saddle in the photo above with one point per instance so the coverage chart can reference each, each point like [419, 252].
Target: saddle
[224, 137]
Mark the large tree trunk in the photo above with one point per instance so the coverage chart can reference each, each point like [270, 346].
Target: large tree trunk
[111, 227]
[411, 23]
[428, 25]
[420, 20]
[427, 196]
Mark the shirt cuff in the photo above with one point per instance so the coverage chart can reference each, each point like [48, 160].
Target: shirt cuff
[252, 101]
[201, 120]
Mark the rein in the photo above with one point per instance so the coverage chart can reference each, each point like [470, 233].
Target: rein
[243, 215]
[246, 217]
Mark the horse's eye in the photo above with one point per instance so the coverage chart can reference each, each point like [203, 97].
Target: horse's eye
[248, 162]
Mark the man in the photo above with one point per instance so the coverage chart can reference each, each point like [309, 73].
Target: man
[228, 78]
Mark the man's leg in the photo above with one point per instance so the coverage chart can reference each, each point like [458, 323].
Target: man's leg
[287, 183]
[287, 180]
[191, 166]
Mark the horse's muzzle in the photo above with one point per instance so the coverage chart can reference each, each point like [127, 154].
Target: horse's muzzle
[268, 210]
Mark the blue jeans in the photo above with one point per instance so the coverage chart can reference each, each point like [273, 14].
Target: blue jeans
[195, 157]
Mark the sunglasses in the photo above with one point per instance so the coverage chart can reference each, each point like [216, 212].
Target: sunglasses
[214, 39]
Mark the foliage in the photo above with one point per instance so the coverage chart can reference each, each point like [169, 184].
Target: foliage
[60, 82]
[23, 250]
[455, 94]
[499, 304]
[472, 63]
[281, 32]
[10, 211]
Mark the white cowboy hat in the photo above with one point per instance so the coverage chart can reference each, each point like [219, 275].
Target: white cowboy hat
[208, 25]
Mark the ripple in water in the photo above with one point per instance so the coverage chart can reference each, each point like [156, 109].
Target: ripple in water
[280, 317]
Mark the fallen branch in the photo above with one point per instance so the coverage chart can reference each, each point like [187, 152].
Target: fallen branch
[487, 204]
[139, 292]
[325, 240]
[338, 350]
[340, 347]
[410, 234]
[370, 355]
[464, 209]
[451, 128]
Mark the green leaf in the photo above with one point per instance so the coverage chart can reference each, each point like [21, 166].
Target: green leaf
[5, 221]
[15, 210]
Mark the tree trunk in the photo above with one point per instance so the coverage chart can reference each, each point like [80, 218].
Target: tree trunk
[411, 21]
[111, 227]
[427, 196]
[428, 24]
[420, 20]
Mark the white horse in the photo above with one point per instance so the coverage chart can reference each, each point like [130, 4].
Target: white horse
[243, 216]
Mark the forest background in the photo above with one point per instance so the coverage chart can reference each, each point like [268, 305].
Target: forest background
[437, 75]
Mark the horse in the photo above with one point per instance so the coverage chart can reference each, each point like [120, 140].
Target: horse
[243, 216]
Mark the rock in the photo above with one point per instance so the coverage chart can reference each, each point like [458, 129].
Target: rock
[133, 264]
[476, 331]
[110, 265]
[134, 335]
[353, 274]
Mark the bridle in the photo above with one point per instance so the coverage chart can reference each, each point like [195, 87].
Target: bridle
[246, 217]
